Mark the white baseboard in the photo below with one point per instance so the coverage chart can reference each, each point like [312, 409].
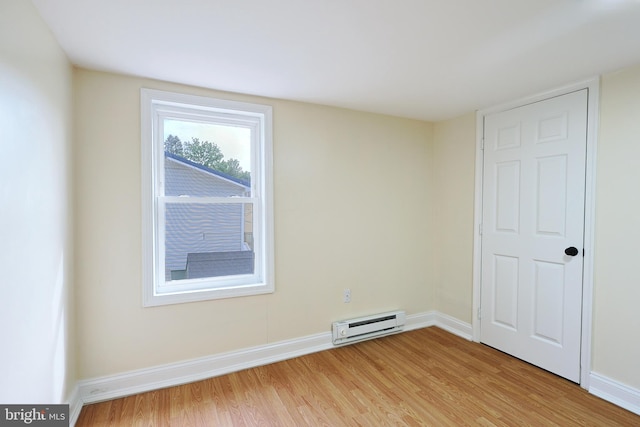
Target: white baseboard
[442, 321]
[133, 382]
[142, 380]
[454, 326]
[420, 320]
[75, 406]
[612, 391]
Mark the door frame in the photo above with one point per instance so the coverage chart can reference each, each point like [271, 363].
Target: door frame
[593, 85]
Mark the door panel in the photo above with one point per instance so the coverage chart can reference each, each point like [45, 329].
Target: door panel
[533, 208]
[549, 291]
[507, 189]
[551, 212]
[506, 294]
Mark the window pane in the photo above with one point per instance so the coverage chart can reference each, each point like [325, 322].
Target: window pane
[208, 240]
[204, 159]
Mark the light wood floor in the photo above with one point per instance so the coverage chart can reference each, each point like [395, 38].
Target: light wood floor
[426, 377]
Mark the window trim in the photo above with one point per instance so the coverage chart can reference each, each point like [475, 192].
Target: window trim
[152, 103]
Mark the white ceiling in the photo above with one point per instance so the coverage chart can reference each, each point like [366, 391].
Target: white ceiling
[424, 59]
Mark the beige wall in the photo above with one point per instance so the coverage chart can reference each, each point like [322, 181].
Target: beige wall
[353, 209]
[617, 277]
[37, 361]
[454, 157]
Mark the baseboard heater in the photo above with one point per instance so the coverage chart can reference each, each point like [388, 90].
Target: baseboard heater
[364, 328]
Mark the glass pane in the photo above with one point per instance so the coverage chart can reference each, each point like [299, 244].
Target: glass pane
[208, 240]
[205, 159]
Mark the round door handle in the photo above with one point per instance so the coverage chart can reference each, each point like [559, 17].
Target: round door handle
[571, 251]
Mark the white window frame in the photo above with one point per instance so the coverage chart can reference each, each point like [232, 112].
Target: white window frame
[157, 105]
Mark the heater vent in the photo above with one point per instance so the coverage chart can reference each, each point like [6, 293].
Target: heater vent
[363, 328]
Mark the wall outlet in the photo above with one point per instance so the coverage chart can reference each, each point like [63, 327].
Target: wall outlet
[346, 296]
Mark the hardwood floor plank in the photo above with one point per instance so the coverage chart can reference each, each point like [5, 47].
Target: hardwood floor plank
[426, 377]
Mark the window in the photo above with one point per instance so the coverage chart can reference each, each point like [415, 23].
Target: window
[206, 187]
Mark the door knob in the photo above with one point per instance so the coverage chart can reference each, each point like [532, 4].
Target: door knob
[571, 251]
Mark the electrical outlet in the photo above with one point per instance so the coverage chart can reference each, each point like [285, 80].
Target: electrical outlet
[346, 296]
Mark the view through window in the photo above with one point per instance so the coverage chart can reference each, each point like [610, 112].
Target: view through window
[205, 160]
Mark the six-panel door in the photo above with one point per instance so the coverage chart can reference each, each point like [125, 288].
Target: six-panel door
[533, 210]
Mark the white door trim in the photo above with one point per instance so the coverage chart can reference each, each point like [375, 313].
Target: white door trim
[593, 85]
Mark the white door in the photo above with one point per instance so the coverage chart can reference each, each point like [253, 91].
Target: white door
[533, 232]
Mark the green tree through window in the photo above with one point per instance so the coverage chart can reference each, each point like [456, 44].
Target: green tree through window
[207, 154]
